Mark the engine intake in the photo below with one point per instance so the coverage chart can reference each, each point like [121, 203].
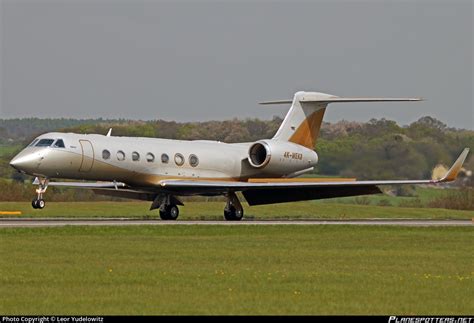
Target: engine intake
[259, 154]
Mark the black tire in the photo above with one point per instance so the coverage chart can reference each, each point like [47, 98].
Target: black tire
[164, 215]
[34, 204]
[41, 204]
[171, 212]
[233, 214]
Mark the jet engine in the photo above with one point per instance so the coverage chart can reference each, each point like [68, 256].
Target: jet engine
[281, 157]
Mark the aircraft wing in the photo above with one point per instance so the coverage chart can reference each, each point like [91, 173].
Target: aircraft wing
[262, 191]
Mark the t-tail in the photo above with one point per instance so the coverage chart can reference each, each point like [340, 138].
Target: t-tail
[302, 123]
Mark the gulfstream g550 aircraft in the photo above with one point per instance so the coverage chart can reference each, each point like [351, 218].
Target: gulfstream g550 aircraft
[160, 170]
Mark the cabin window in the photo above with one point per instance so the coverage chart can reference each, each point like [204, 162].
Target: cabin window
[105, 154]
[120, 155]
[165, 159]
[150, 157]
[33, 143]
[135, 156]
[193, 160]
[59, 144]
[45, 143]
[179, 159]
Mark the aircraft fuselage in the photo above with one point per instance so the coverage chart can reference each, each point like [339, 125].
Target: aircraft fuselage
[139, 161]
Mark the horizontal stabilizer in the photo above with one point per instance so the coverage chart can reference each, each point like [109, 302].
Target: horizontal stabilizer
[335, 99]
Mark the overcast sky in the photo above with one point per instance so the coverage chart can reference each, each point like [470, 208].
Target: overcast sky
[203, 60]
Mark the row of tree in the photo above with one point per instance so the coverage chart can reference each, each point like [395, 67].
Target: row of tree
[378, 149]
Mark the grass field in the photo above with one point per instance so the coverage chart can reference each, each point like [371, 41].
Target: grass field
[214, 210]
[8, 150]
[237, 270]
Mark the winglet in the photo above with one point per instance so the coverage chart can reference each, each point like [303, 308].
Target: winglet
[109, 133]
[454, 170]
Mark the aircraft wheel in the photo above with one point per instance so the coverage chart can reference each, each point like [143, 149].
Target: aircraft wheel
[233, 213]
[40, 204]
[171, 212]
[164, 215]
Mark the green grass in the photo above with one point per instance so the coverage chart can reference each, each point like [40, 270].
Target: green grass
[237, 270]
[9, 150]
[214, 211]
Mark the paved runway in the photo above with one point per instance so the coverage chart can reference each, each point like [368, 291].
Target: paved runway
[8, 223]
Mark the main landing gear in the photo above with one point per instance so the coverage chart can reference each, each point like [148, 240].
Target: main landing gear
[169, 212]
[233, 210]
[38, 202]
[168, 206]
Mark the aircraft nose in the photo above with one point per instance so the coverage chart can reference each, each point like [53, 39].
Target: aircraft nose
[23, 162]
[13, 162]
[18, 163]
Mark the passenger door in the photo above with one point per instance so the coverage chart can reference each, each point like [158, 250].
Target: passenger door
[87, 156]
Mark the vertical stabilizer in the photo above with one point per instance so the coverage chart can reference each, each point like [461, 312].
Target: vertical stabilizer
[303, 121]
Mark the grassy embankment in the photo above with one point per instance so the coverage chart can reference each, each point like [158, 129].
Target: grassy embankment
[237, 270]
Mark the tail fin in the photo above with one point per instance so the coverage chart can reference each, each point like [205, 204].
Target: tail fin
[303, 121]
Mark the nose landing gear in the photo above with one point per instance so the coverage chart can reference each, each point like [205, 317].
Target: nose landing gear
[38, 202]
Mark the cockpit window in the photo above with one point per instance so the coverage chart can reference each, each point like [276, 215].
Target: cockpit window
[59, 144]
[33, 143]
[45, 143]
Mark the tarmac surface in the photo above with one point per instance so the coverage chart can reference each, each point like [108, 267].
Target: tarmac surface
[23, 223]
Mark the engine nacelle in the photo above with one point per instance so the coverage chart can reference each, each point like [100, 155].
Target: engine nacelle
[280, 157]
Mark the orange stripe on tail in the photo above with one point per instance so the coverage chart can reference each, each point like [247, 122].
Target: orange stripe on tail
[308, 132]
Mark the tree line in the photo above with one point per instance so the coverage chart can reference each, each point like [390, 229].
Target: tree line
[378, 149]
